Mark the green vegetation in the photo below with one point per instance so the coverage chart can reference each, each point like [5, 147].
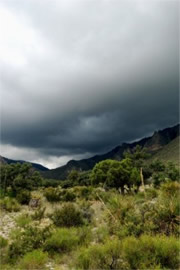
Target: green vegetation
[169, 152]
[33, 260]
[62, 240]
[121, 215]
[9, 204]
[67, 216]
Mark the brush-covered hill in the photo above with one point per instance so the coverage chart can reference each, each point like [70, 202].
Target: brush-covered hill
[36, 166]
[169, 152]
[162, 144]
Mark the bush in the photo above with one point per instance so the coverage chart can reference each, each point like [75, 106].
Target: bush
[86, 192]
[170, 189]
[39, 213]
[23, 220]
[99, 256]
[148, 252]
[33, 260]
[3, 251]
[67, 216]
[63, 240]
[24, 196]
[28, 239]
[53, 194]
[3, 242]
[10, 204]
[151, 193]
[69, 196]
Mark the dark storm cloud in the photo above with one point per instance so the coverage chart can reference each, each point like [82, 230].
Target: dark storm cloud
[79, 77]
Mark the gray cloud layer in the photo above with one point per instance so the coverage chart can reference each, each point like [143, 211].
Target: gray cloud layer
[79, 77]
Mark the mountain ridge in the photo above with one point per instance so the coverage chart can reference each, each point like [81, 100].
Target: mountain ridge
[36, 166]
[153, 144]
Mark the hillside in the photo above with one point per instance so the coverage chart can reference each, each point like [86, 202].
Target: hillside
[155, 144]
[169, 152]
[36, 166]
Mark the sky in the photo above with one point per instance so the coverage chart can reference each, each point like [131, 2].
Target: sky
[79, 77]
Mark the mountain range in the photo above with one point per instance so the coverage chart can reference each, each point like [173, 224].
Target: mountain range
[36, 166]
[155, 144]
[163, 144]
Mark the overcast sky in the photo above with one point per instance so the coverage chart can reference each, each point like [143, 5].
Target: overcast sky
[79, 77]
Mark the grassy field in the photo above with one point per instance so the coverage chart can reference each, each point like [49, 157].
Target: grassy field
[91, 228]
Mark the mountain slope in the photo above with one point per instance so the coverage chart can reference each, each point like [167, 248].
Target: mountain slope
[36, 166]
[169, 152]
[154, 144]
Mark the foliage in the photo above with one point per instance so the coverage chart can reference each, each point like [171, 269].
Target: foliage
[29, 239]
[23, 196]
[67, 216]
[10, 204]
[102, 256]
[3, 250]
[23, 220]
[73, 176]
[163, 173]
[35, 259]
[19, 176]
[53, 194]
[138, 155]
[69, 196]
[3, 242]
[39, 213]
[116, 174]
[62, 240]
[148, 252]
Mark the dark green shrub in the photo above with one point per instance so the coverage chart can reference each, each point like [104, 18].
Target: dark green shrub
[23, 196]
[86, 192]
[69, 196]
[62, 240]
[67, 216]
[10, 204]
[35, 259]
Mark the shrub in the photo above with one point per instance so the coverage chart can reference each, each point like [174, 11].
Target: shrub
[53, 194]
[3, 250]
[23, 220]
[166, 215]
[23, 196]
[33, 260]
[151, 193]
[69, 196]
[86, 192]
[67, 216]
[3, 242]
[102, 256]
[39, 213]
[28, 239]
[170, 189]
[10, 204]
[62, 240]
[148, 252]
